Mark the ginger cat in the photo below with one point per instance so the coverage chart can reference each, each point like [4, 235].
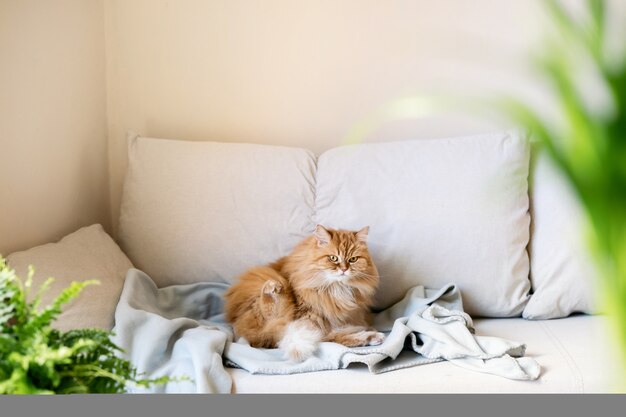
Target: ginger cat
[321, 291]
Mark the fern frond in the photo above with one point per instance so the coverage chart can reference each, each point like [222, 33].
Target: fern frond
[34, 305]
[36, 359]
[39, 320]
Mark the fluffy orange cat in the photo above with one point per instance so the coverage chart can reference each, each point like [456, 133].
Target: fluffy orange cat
[321, 291]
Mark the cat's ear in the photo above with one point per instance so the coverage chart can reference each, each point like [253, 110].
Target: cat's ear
[322, 235]
[362, 234]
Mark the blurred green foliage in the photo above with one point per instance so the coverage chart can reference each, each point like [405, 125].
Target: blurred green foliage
[588, 144]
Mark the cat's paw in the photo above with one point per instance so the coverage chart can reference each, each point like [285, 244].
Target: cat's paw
[272, 287]
[375, 339]
[366, 338]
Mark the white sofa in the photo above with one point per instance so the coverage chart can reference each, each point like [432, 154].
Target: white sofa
[443, 210]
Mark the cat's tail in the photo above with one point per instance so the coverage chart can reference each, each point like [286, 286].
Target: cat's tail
[300, 340]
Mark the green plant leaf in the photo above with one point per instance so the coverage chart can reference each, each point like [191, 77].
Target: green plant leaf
[36, 359]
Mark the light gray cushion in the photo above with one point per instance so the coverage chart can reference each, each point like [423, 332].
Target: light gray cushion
[563, 275]
[88, 253]
[443, 210]
[207, 211]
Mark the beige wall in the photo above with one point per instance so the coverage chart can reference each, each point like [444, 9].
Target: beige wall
[75, 74]
[53, 159]
[301, 73]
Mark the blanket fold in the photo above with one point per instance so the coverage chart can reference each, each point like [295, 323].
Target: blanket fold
[181, 330]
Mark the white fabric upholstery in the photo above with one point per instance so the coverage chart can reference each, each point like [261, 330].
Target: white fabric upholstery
[439, 211]
[572, 353]
[206, 211]
[88, 253]
[561, 271]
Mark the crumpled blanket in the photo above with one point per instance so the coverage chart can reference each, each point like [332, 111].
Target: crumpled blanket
[181, 330]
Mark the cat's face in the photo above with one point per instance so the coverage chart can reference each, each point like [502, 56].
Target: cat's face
[341, 255]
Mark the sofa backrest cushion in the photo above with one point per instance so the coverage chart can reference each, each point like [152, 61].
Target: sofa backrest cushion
[563, 275]
[439, 211]
[442, 210]
[207, 211]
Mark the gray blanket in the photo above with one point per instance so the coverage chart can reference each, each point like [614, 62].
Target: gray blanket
[181, 330]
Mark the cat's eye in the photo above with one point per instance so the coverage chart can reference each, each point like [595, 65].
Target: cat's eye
[333, 258]
[353, 259]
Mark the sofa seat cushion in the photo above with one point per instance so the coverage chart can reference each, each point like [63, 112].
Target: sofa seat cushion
[572, 353]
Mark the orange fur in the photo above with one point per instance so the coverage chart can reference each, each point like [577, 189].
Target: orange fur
[326, 284]
[259, 306]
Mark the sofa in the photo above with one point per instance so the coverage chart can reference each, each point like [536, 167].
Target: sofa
[488, 213]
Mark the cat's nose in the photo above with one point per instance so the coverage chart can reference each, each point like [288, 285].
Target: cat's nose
[343, 270]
